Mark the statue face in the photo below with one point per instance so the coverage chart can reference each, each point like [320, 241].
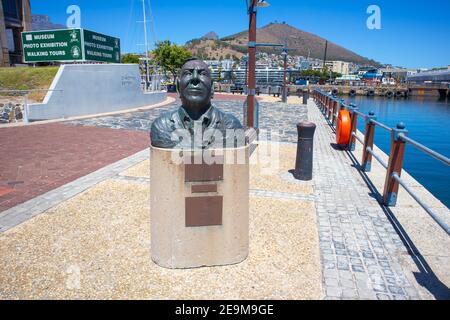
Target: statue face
[195, 85]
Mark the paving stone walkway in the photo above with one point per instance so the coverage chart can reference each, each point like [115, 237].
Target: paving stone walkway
[274, 116]
[362, 255]
[360, 248]
[39, 158]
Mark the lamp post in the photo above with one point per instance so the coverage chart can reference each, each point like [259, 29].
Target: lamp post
[285, 54]
[252, 9]
[246, 70]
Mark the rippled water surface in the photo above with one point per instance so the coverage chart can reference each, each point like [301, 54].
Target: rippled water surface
[428, 122]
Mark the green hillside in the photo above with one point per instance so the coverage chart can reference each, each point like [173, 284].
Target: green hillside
[27, 78]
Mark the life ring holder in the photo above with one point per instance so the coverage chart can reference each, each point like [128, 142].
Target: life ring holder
[343, 128]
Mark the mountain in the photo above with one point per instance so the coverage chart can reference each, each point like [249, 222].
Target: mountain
[299, 42]
[211, 36]
[42, 22]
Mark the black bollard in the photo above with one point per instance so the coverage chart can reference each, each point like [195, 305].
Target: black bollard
[305, 96]
[304, 162]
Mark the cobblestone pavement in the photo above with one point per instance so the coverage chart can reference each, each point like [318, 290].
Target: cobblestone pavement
[361, 251]
[274, 116]
[362, 255]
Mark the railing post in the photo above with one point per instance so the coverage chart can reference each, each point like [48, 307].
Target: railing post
[324, 102]
[342, 104]
[352, 144]
[330, 107]
[369, 137]
[335, 106]
[395, 165]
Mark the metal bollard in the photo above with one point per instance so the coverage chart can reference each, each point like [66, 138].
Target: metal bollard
[305, 96]
[304, 162]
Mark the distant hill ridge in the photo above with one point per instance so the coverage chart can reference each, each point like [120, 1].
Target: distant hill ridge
[300, 42]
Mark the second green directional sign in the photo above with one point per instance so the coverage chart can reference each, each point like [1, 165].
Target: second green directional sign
[99, 47]
[70, 45]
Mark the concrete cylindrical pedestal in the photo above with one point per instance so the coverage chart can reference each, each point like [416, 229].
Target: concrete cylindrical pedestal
[199, 212]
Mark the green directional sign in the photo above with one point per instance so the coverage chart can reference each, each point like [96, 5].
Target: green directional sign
[56, 45]
[70, 45]
[99, 47]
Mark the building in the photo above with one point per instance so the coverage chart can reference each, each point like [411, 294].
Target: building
[264, 75]
[220, 69]
[397, 73]
[341, 67]
[15, 17]
[304, 65]
[430, 77]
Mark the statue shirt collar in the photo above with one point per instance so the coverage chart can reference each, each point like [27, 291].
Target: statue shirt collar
[206, 119]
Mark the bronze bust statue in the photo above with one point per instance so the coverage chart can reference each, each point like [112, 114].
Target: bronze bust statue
[187, 126]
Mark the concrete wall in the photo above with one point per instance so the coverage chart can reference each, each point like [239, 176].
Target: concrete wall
[91, 89]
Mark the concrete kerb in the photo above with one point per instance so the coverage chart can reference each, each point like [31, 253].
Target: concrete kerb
[25, 211]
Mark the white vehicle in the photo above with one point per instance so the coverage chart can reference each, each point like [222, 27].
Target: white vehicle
[389, 81]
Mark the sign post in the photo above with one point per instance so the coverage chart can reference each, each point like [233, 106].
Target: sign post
[70, 45]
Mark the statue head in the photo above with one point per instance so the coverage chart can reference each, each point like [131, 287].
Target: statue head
[195, 86]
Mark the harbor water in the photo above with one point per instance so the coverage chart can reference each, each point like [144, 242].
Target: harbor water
[428, 122]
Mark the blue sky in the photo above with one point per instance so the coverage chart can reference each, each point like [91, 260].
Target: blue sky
[414, 33]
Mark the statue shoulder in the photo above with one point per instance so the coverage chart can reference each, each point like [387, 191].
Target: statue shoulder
[164, 122]
[161, 130]
[229, 120]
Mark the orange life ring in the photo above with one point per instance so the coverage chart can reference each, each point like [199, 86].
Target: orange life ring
[343, 127]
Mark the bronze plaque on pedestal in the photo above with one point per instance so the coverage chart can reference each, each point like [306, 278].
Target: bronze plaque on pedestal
[203, 172]
[204, 211]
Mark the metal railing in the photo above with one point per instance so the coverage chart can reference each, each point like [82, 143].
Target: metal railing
[331, 106]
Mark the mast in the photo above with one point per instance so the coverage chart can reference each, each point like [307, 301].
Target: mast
[147, 79]
[325, 56]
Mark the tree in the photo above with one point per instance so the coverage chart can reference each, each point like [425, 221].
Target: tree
[316, 74]
[220, 70]
[130, 58]
[170, 57]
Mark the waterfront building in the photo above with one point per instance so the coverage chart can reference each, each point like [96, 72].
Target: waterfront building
[341, 67]
[220, 69]
[15, 17]
[317, 67]
[399, 74]
[265, 75]
[430, 77]
[304, 65]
